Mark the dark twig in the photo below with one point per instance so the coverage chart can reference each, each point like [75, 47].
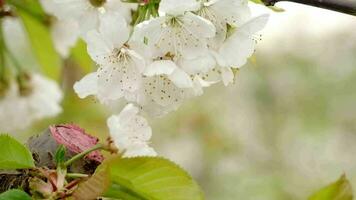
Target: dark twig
[343, 6]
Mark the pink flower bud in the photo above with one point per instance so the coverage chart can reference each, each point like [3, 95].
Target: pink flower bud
[76, 140]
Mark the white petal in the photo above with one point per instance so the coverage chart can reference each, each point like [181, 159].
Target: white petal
[128, 112]
[174, 7]
[45, 98]
[118, 78]
[254, 25]
[87, 86]
[198, 25]
[227, 75]
[137, 59]
[120, 7]
[69, 9]
[160, 67]
[233, 12]
[114, 29]
[148, 32]
[88, 21]
[98, 48]
[187, 40]
[180, 79]
[236, 50]
[240, 46]
[63, 39]
[139, 150]
[130, 131]
[160, 93]
[201, 64]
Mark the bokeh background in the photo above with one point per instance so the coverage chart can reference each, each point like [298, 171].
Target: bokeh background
[285, 128]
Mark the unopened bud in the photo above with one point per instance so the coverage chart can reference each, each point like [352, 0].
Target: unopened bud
[76, 140]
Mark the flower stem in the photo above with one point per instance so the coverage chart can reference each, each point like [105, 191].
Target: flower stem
[82, 154]
[343, 6]
[76, 175]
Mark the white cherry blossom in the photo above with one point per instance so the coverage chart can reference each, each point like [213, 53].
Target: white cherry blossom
[63, 39]
[165, 83]
[174, 7]
[183, 35]
[224, 13]
[165, 87]
[205, 72]
[131, 133]
[87, 12]
[19, 111]
[240, 45]
[120, 68]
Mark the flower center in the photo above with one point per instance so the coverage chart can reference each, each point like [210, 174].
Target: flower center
[174, 22]
[167, 56]
[97, 3]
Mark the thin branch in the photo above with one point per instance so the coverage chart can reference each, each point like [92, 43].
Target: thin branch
[343, 6]
[83, 154]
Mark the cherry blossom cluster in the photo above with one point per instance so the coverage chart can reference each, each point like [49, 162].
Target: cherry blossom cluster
[30, 98]
[154, 54]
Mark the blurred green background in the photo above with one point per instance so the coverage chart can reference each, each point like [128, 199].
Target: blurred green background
[283, 130]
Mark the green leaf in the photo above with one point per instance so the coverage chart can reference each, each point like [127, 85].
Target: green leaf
[59, 156]
[13, 154]
[15, 195]
[42, 45]
[81, 57]
[340, 190]
[150, 178]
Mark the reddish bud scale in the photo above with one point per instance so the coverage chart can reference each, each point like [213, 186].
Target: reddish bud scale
[76, 140]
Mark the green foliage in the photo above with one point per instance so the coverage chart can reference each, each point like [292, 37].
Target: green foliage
[40, 38]
[150, 178]
[15, 195]
[340, 190]
[13, 154]
[59, 157]
[80, 56]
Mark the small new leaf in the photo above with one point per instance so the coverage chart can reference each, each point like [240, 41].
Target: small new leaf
[339, 190]
[13, 154]
[60, 155]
